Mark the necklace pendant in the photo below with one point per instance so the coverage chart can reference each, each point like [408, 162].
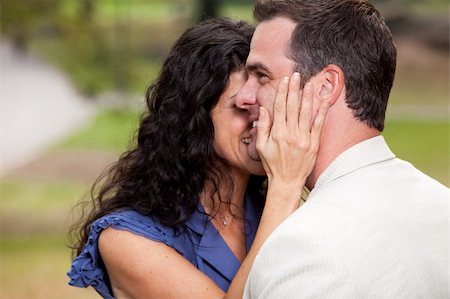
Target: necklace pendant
[225, 220]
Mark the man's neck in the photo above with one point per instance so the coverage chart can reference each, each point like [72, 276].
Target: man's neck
[333, 144]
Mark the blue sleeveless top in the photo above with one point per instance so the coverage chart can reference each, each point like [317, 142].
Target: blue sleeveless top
[200, 243]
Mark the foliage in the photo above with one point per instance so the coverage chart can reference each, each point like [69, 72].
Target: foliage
[19, 18]
[111, 130]
[106, 45]
[240, 11]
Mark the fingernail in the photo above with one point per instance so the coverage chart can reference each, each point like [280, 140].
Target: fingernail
[296, 76]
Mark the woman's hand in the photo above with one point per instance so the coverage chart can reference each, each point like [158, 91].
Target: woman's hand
[288, 145]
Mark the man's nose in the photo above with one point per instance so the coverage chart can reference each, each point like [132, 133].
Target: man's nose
[246, 97]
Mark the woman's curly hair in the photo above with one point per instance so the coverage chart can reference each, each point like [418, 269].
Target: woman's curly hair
[164, 175]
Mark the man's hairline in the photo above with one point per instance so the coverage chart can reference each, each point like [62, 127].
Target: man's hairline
[287, 51]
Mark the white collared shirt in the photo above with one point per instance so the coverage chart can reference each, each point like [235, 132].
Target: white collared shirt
[373, 227]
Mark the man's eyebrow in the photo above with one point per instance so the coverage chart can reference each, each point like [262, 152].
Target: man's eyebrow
[257, 67]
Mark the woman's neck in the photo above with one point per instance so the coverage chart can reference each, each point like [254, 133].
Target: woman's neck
[227, 210]
[229, 198]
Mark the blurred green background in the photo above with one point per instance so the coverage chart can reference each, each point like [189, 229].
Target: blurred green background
[111, 50]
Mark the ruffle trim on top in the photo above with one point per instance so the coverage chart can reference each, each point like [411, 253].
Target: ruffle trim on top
[88, 270]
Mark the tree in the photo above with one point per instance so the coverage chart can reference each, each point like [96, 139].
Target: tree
[209, 9]
[20, 18]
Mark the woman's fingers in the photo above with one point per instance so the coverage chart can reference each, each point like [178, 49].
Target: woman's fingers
[293, 102]
[279, 106]
[318, 124]
[304, 123]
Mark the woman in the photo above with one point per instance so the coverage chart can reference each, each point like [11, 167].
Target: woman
[178, 214]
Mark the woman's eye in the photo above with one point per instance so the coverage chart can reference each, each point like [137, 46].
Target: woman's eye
[236, 109]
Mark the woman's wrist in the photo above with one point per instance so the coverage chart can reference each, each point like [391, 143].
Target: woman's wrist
[284, 196]
[283, 185]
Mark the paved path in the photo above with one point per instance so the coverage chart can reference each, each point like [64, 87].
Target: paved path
[38, 106]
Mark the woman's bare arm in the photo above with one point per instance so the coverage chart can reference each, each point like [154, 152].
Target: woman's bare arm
[142, 268]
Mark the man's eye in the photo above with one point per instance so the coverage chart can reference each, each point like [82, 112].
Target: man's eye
[260, 75]
[262, 78]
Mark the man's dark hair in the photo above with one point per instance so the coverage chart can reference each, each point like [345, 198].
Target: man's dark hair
[351, 34]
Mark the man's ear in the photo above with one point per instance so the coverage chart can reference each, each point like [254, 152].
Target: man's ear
[329, 84]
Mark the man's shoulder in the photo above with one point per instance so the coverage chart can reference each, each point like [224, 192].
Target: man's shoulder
[322, 224]
[388, 185]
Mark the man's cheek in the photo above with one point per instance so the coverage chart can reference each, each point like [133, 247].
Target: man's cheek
[267, 96]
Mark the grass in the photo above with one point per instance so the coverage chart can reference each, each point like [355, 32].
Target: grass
[37, 196]
[424, 144]
[35, 268]
[33, 253]
[31, 208]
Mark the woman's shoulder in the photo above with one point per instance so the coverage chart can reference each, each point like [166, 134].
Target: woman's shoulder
[136, 223]
[87, 269]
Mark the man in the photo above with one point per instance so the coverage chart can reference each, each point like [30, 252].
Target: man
[373, 226]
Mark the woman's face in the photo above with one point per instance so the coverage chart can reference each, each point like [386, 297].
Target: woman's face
[232, 126]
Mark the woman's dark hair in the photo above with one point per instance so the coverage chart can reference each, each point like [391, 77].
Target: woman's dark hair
[351, 34]
[164, 175]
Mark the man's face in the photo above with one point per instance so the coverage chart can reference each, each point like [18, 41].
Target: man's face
[267, 64]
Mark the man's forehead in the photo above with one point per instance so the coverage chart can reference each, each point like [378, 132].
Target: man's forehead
[270, 41]
[274, 31]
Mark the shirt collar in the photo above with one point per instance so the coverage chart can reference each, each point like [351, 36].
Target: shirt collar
[198, 220]
[212, 248]
[367, 152]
